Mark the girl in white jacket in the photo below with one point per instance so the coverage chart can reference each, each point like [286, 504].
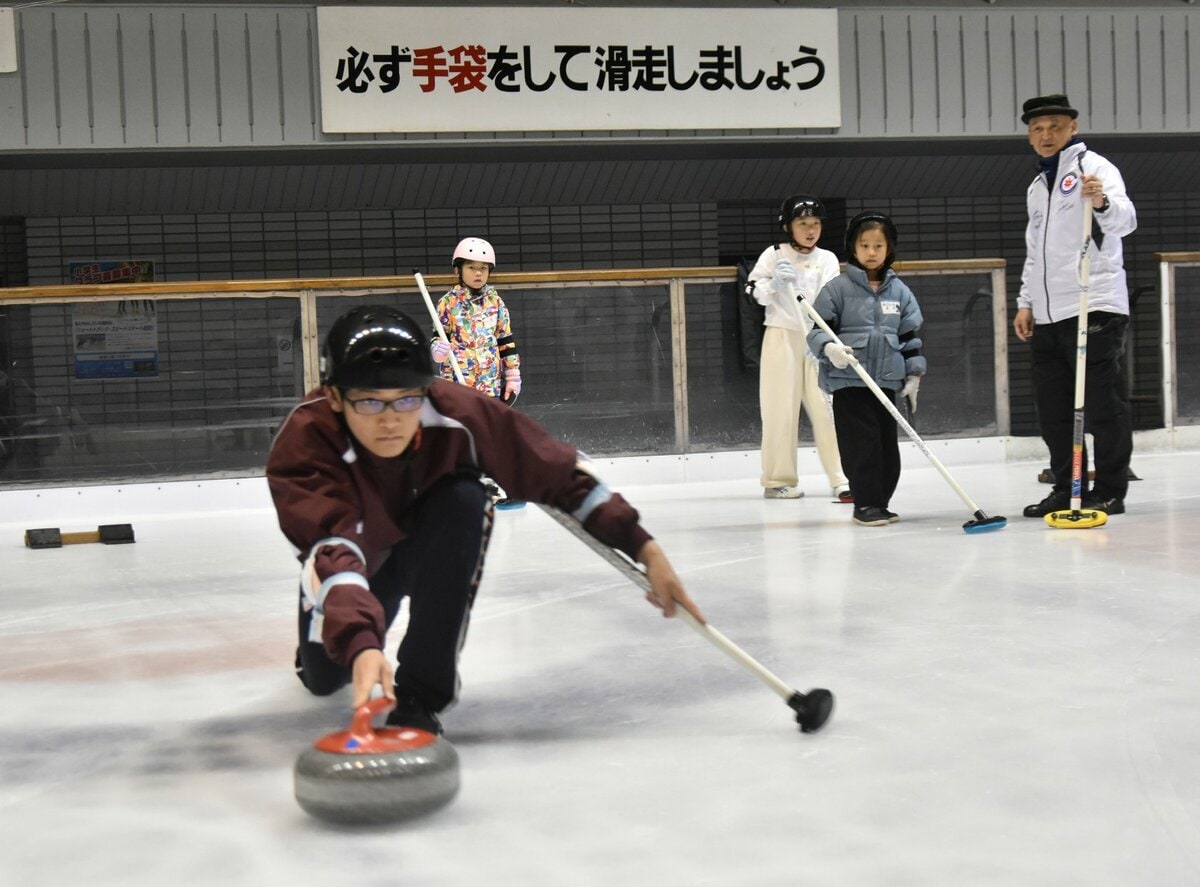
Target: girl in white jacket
[788, 373]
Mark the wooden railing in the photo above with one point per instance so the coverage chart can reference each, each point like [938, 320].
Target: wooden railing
[307, 291]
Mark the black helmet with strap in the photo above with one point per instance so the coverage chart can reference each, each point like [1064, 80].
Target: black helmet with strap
[857, 223]
[376, 347]
[798, 206]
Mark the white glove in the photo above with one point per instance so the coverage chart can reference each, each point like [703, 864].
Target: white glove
[785, 276]
[912, 384]
[839, 355]
[440, 351]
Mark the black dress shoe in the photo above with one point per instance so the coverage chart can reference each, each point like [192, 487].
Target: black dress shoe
[1108, 506]
[1056, 501]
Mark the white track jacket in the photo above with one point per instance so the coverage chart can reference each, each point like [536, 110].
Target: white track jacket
[1054, 240]
[813, 271]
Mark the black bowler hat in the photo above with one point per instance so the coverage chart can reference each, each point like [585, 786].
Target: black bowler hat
[1045, 105]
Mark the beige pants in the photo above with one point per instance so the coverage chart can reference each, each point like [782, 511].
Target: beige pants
[788, 380]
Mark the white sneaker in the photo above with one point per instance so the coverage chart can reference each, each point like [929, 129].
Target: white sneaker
[783, 493]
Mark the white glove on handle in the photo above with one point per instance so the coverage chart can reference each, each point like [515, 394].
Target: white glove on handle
[839, 355]
[785, 277]
[912, 384]
[440, 351]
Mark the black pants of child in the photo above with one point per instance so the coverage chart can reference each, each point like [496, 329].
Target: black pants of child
[438, 568]
[866, 436]
[1105, 404]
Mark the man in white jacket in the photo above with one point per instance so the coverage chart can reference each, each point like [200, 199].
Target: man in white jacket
[1048, 304]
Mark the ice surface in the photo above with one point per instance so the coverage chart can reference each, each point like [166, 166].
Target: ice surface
[1019, 707]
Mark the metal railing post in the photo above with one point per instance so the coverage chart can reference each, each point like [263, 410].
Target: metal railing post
[675, 290]
[1166, 286]
[309, 338]
[1000, 346]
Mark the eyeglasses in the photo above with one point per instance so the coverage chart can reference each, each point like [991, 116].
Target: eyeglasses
[370, 406]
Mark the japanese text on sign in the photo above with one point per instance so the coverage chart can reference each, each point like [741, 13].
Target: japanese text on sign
[420, 69]
[619, 68]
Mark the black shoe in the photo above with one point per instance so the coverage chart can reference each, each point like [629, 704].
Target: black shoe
[1056, 501]
[300, 668]
[870, 516]
[892, 517]
[411, 712]
[1108, 506]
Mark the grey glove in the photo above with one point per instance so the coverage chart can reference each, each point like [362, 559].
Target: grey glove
[839, 355]
[912, 384]
[785, 276]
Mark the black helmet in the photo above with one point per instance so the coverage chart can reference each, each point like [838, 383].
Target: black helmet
[799, 205]
[889, 232]
[376, 347]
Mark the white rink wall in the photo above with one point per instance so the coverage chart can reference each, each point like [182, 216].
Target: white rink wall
[74, 508]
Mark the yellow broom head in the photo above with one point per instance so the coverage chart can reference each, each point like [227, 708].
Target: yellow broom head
[1083, 519]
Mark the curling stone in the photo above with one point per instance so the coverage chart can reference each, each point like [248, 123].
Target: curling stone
[375, 775]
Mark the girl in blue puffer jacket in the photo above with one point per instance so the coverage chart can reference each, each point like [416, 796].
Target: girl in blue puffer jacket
[876, 317]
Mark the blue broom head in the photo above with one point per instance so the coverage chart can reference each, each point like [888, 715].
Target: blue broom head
[985, 524]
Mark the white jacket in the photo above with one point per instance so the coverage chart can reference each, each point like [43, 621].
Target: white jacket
[813, 271]
[1054, 240]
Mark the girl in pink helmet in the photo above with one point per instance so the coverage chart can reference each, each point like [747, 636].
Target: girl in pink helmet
[478, 326]
[479, 330]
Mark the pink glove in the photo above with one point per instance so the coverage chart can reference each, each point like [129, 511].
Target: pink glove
[440, 351]
[512, 383]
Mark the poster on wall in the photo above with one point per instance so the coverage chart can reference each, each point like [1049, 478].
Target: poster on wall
[418, 69]
[8, 40]
[114, 340]
[111, 271]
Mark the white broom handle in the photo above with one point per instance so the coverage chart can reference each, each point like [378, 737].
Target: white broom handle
[1081, 324]
[635, 572]
[887, 402]
[437, 322]
[738, 655]
[1085, 269]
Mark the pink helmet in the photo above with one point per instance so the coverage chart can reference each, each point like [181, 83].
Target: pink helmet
[473, 249]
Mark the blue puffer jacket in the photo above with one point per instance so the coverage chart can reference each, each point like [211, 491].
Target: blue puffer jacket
[878, 324]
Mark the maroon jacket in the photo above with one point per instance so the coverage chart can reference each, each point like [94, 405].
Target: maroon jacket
[331, 491]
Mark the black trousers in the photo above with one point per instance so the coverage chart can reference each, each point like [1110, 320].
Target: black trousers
[1105, 408]
[438, 568]
[866, 436]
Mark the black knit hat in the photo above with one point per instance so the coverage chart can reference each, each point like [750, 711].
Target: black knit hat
[1045, 105]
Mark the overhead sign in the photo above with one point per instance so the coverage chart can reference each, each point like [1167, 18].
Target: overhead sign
[8, 41]
[483, 69]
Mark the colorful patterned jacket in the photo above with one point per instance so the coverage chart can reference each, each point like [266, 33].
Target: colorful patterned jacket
[481, 339]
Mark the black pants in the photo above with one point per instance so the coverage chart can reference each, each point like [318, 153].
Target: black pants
[866, 436]
[438, 568]
[1105, 409]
